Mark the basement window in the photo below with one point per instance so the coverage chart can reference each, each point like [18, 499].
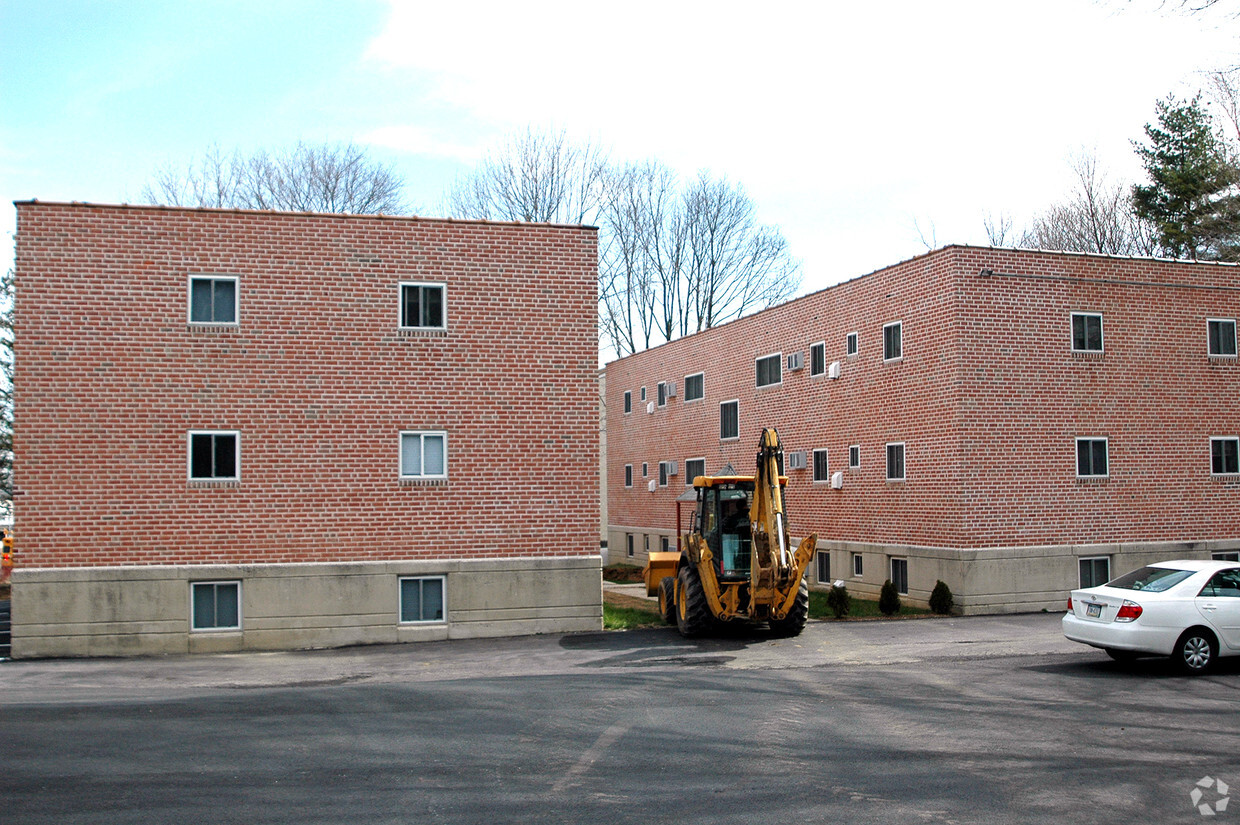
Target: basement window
[215, 605]
[421, 599]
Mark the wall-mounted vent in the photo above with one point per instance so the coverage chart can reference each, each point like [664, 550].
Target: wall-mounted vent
[796, 460]
[649, 408]
[672, 469]
[652, 485]
[796, 361]
[671, 389]
[837, 480]
[834, 370]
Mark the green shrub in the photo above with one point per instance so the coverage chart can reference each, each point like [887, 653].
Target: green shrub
[888, 599]
[839, 601]
[941, 598]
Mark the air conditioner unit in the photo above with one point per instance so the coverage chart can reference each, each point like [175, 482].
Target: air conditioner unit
[652, 485]
[796, 460]
[796, 361]
[834, 370]
[671, 390]
[649, 408]
[672, 468]
[837, 480]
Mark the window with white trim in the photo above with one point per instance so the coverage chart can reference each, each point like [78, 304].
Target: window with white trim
[628, 543]
[628, 475]
[422, 599]
[1224, 456]
[769, 369]
[899, 575]
[694, 467]
[893, 341]
[729, 420]
[1222, 337]
[823, 562]
[854, 457]
[423, 306]
[628, 401]
[1091, 458]
[850, 344]
[645, 470]
[213, 299]
[1086, 332]
[822, 469]
[856, 565]
[214, 455]
[663, 471]
[895, 462]
[818, 359]
[215, 605]
[695, 386]
[424, 454]
[661, 394]
[1095, 571]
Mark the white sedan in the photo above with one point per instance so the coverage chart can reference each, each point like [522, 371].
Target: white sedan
[1188, 610]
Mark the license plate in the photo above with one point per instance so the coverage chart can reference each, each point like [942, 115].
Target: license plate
[1093, 611]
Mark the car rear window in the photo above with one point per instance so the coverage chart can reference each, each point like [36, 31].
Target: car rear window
[1153, 579]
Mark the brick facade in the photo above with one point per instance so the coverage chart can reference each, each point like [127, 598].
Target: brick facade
[316, 377]
[988, 399]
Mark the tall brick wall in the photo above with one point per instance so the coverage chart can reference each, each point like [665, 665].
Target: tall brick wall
[987, 397]
[317, 379]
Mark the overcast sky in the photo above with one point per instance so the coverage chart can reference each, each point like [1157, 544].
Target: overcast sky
[850, 125]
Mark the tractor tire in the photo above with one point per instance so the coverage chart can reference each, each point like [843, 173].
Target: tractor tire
[794, 622]
[693, 616]
[667, 599]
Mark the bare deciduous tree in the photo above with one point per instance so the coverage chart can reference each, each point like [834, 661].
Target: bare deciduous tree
[328, 177]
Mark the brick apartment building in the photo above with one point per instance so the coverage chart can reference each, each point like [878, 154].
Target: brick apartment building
[253, 430]
[1014, 423]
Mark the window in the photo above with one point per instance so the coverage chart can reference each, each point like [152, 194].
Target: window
[628, 543]
[695, 387]
[822, 470]
[645, 470]
[663, 468]
[1224, 456]
[899, 575]
[856, 558]
[854, 457]
[895, 462]
[694, 467]
[214, 456]
[422, 306]
[643, 394]
[850, 343]
[421, 600]
[665, 544]
[823, 559]
[1086, 332]
[729, 420]
[769, 370]
[628, 401]
[1225, 584]
[1095, 571]
[423, 454]
[893, 343]
[1091, 458]
[817, 359]
[647, 538]
[1226, 555]
[216, 605]
[628, 475]
[661, 394]
[1222, 337]
[213, 300]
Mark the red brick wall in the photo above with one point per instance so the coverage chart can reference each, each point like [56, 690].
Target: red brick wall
[987, 398]
[110, 378]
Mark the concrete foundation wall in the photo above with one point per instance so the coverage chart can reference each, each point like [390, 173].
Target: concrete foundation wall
[123, 611]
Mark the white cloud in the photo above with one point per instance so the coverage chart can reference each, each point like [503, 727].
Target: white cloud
[418, 140]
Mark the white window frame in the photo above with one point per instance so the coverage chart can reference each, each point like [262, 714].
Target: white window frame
[821, 349]
[664, 473]
[723, 404]
[826, 478]
[852, 344]
[1231, 321]
[628, 402]
[700, 397]
[854, 451]
[645, 469]
[1213, 440]
[819, 555]
[422, 434]
[858, 566]
[194, 628]
[189, 299]
[660, 394]
[1102, 333]
[400, 305]
[891, 570]
[1076, 456]
[778, 358]
[628, 475]
[643, 394]
[1092, 559]
[628, 544]
[400, 600]
[903, 461]
[690, 476]
[189, 455]
[887, 357]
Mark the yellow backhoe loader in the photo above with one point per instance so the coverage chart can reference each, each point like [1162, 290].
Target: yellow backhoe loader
[735, 562]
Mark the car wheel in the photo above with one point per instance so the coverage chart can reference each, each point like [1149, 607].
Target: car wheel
[1121, 655]
[1196, 651]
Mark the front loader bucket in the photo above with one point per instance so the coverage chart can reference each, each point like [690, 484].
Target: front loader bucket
[660, 565]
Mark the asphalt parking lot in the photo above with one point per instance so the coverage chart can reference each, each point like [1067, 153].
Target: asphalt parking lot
[986, 719]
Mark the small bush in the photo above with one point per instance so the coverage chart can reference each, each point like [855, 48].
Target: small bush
[941, 598]
[888, 599]
[839, 601]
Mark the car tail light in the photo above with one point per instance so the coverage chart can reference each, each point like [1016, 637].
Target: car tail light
[1069, 604]
[1128, 611]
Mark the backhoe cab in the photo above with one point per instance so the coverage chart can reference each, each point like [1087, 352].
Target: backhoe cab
[735, 562]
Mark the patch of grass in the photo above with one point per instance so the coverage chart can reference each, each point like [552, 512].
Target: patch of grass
[629, 618]
[622, 573]
[860, 609]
